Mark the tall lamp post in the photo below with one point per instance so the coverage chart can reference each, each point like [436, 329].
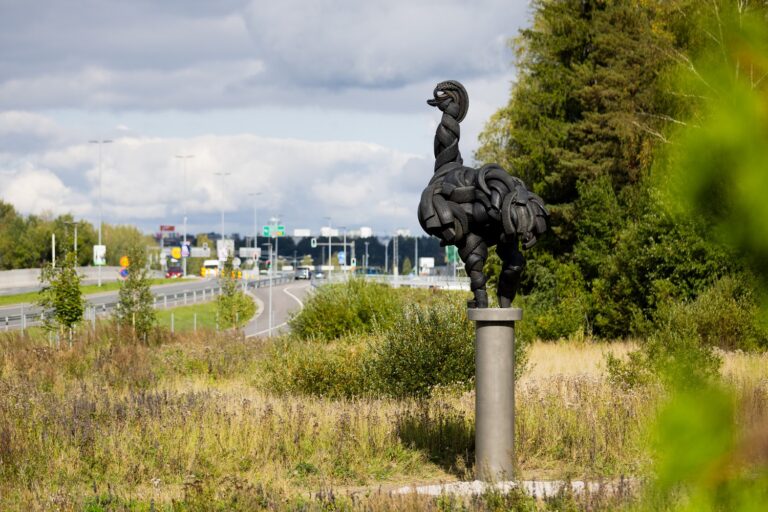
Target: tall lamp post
[345, 247]
[100, 143]
[330, 232]
[254, 195]
[74, 245]
[223, 180]
[184, 159]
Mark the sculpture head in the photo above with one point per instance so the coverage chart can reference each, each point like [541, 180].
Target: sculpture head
[451, 95]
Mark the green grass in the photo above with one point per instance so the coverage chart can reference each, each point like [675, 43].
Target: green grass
[184, 317]
[7, 300]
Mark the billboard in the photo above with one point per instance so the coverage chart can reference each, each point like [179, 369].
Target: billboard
[225, 249]
[426, 262]
[326, 231]
[100, 255]
[200, 252]
[249, 252]
[302, 233]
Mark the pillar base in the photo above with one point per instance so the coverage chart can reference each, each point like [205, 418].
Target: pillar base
[495, 391]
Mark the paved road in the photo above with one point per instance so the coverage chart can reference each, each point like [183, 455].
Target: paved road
[176, 294]
[286, 299]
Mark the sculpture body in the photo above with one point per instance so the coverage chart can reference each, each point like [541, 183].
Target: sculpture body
[477, 208]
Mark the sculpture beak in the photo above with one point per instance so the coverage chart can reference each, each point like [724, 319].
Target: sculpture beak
[432, 102]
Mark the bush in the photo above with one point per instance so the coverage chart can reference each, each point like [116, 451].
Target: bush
[674, 354]
[307, 367]
[354, 307]
[429, 345]
[727, 316]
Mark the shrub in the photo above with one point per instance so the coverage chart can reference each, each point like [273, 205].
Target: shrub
[307, 367]
[354, 307]
[429, 345]
[674, 354]
[727, 315]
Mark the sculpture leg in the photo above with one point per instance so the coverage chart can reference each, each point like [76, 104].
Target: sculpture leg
[512, 264]
[474, 251]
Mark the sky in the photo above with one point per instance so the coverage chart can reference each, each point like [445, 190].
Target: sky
[313, 111]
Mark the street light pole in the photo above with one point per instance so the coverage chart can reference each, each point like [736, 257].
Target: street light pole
[345, 247]
[74, 245]
[101, 203]
[223, 181]
[330, 232]
[254, 195]
[416, 245]
[184, 159]
[366, 257]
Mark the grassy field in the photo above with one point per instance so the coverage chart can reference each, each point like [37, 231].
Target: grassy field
[189, 423]
[184, 317]
[7, 300]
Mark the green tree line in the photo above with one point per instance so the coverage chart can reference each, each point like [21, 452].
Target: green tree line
[25, 241]
[608, 97]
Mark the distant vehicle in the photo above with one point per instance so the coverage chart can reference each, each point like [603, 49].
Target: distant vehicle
[370, 271]
[174, 272]
[303, 273]
[210, 268]
[319, 275]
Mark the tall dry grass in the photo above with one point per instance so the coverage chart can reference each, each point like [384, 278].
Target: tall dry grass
[187, 422]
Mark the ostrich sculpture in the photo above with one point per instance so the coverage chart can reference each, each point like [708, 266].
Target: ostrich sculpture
[476, 208]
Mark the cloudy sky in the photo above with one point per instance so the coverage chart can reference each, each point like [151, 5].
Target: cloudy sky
[317, 106]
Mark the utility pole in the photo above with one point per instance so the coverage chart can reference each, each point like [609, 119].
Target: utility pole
[269, 311]
[274, 222]
[416, 260]
[101, 206]
[330, 232]
[224, 182]
[254, 195]
[74, 245]
[184, 159]
[365, 265]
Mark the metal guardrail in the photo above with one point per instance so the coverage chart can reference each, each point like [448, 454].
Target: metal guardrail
[162, 300]
[441, 282]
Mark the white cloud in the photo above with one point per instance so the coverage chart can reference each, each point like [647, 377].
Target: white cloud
[339, 43]
[357, 183]
[37, 191]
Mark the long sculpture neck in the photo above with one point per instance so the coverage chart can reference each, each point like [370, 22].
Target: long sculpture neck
[447, 141]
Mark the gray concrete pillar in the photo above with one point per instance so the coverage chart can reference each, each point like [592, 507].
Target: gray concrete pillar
[495, 391]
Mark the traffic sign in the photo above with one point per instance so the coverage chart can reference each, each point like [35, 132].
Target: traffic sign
[313, 243]
[353, 262]
[451, 254]
[176, 252]
[124, 261]
[342, 258]
[273, 231]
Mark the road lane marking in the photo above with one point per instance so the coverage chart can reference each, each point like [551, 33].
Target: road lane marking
[301, 304]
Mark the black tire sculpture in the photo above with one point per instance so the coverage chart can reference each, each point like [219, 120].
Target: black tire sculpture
[475, 209]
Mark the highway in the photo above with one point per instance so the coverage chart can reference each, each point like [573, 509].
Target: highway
[286, 299]
[176, 294]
